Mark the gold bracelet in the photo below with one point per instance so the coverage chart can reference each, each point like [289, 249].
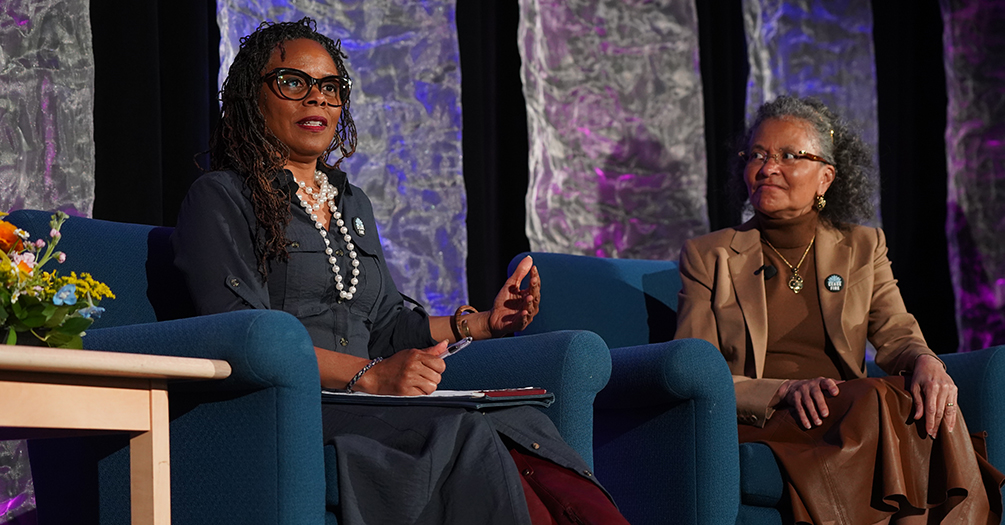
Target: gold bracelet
[460, 325]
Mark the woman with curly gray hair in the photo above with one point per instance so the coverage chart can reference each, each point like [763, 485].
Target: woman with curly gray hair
[790, 298]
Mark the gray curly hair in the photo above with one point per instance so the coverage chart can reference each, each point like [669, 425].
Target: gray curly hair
[849, 198]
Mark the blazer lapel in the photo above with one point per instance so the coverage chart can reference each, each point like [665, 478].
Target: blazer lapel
[834, 257]
[750, 290]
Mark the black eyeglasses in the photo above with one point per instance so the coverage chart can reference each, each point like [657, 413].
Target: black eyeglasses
[293, 84]
[785, 158]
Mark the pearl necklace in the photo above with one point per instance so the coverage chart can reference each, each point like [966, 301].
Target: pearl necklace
[327, 193]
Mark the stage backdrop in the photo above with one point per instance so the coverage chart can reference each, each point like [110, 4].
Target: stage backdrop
[404, 62]
[974, 39]
[616, 126]
[46, 148]
[819, 49]
[46, 103]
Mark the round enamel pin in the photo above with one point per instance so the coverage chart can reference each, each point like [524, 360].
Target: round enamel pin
[834, 282]
[357, 225]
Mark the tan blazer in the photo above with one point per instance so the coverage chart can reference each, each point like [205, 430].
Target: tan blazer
[723, 301]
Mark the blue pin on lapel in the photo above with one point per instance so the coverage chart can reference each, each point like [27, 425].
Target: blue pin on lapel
[834, 282]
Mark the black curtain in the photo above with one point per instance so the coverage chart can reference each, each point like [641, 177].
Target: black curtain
[156, 101]
[494, 143]
[911, 90]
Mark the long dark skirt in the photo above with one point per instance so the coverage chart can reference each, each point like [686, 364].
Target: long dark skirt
[870, 459]
[437, 466]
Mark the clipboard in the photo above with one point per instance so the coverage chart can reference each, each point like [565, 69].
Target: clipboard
[473, 399]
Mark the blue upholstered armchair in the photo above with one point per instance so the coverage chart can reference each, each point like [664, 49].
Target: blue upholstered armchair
[248, 449]
[665, 440]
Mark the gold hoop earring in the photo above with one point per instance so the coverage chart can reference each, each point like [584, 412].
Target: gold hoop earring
[819, 202]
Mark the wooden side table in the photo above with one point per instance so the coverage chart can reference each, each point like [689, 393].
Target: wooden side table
[51, 392]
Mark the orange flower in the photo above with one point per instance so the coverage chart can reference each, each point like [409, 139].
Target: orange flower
[8, 239]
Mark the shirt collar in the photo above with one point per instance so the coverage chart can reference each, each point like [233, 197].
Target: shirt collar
[336, 177]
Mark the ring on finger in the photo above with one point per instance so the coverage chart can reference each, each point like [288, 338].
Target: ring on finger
[949, 404]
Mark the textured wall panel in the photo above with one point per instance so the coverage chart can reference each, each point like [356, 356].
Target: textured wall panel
[17, 495]
[46, 103]
[404, 62]
[815, 48]
[616, 126]
[974, 39]
[46, 147]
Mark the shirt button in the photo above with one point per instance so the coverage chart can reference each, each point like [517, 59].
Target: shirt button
[340, 253]
[234, 283]
[535, 446]
[343, 342]
[527, 472]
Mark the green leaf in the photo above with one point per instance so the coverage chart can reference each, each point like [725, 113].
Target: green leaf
[58, 340]
[11, 337]
[34, 320]
[58, 315]
[74, 325]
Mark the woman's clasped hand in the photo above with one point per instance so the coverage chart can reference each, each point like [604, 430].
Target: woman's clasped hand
[932, 390]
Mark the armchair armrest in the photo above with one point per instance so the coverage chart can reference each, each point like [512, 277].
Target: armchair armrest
[245, 449]
[574, 365]
[663, 397]
[265, 348]
[980, 375]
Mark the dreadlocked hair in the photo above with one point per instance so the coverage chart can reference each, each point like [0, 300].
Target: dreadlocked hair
[243, 143]
[849, 198]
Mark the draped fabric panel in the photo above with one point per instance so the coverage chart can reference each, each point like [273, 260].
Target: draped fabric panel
[404, 62]
[974, 54]
[46, 148]
[815, 48]
[616, 126]
[46, 100]
[17, 494]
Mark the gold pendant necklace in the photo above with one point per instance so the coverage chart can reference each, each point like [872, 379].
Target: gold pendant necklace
[796, 281]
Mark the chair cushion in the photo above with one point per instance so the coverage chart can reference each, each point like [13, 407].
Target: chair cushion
[627, 302]
[760, 478]
[754, 515]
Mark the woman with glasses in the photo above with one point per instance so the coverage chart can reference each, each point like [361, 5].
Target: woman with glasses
[278, 225]
[790, 298]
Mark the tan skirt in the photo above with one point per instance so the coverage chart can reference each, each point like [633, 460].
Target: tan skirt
[870, 459]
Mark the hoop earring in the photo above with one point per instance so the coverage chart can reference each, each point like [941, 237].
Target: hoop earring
[819, 202]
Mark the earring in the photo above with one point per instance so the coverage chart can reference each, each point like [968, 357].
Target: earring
[819, 202]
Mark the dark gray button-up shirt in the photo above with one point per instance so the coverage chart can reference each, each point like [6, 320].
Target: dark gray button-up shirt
[214, 247]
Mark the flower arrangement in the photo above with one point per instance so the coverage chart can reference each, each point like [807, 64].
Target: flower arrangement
[45, 306]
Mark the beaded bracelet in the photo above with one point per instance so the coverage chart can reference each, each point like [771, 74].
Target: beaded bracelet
[352, 382]
[460, 325]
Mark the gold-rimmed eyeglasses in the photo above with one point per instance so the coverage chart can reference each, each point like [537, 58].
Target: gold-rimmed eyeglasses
[785, 158]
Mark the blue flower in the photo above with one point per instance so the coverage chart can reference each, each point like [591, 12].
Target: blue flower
[66, 295]
[95, 311]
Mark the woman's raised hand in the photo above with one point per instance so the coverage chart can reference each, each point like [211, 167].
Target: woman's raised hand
[515, 308]
[934, 394]
[809, 398]
[407, 373]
